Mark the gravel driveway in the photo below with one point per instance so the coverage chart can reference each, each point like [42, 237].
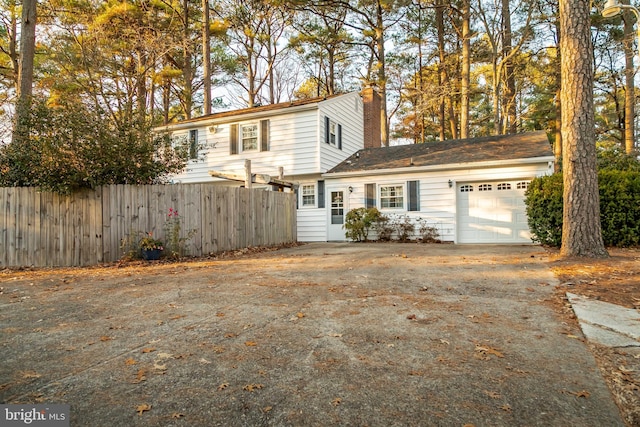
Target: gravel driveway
[318, 334]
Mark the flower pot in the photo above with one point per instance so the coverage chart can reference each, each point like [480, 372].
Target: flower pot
[151, 254]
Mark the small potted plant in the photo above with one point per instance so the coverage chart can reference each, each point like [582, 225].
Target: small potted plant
[150, 248]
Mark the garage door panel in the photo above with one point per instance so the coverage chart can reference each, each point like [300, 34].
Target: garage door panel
[496, 214]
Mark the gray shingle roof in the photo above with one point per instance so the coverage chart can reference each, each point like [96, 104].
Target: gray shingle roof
[483, 149]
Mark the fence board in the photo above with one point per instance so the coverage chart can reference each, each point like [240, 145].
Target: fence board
[86, 228]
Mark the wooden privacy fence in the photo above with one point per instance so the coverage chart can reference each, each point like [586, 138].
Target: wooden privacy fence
[46, 229]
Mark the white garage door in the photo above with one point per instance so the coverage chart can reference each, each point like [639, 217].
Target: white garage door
[492, 212]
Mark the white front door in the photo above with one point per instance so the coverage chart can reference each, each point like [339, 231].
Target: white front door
[336, 213]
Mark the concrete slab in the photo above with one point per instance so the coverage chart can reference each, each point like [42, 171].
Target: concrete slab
[607, 324]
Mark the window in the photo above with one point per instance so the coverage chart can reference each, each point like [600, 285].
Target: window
[523, 185]
[413, 190]
[466, 188]
[391, 196]
[193, 144]
[332, 133]
[504, 186]
[484, 187]
[249, 137]
[309, 195]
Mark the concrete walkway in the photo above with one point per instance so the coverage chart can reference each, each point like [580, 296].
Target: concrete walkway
[606, 324]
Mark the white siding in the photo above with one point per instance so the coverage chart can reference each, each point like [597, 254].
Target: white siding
[347, 111]
[437, 198]
[292, 145]
[312, 225]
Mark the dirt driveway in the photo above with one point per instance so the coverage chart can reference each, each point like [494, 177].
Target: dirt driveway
[319, 334]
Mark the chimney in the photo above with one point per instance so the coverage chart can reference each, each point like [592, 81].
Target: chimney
[371, 115]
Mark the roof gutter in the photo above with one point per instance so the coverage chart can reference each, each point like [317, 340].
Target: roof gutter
[231, 118]
[436, 168]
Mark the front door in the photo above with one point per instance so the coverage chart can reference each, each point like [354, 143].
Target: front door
[336, 215]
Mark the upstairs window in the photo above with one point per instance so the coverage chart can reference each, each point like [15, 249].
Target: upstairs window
[332, 133]
[249, 137]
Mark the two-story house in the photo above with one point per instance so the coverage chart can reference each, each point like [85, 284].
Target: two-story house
[306, 138]
[471, 191]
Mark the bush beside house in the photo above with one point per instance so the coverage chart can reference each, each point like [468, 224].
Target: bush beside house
[619, 208]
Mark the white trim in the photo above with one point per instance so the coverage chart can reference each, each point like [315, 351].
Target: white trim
[445, 167]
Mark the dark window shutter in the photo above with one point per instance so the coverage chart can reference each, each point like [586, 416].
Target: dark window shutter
[321, 194]
[233, 139]
[370, 195]
[296, 192]
[193, 144]
[264, 135]
[326, 130]
[414, 195]
[340, 137]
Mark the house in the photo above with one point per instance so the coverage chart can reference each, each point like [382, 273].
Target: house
[471, 190]
[306, 138]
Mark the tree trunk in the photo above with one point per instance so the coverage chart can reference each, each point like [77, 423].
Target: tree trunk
[509, 95]
[581, 229]
[466, 69]
[187, 71]
[441, 66]
[557, 148]
[25, 71]
[629, 92]
[206, 57]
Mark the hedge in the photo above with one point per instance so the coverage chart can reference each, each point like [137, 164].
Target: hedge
[619, 208]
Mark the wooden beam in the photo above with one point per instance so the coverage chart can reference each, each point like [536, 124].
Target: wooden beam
[256, 178]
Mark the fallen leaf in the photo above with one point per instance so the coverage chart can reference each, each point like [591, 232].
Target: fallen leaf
[506, 407]
[142, 408]
[177, 415]
[204, 361]
[492, 394]
[300, 315]
[335, 335]
[105, 338]
[267, 409]
[30, 374]
[140, 376]
[252, 387]
[230, 335]
[164, 356]
[486, 350]
[223, 386]
[159, 367]
[220, 314]
[251, 343]
[148, 350]
[130, 361]
[336, 401]
[411, 317]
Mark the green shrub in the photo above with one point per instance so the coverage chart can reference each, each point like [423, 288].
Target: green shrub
[619, 208]
[543, 199]
[359, 222]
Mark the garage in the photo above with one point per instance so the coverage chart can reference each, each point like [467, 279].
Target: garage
[492, 212]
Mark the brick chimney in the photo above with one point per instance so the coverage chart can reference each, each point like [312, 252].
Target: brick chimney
[371, 115]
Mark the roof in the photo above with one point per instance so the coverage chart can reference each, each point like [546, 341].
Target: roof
[259, 109]
[473, 150]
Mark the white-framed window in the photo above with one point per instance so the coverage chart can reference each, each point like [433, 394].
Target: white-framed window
[504, 186]
[522, 185]
[309, 195]
[484, 187]
[249, 136]
[193, 144]
[392, 196]
[466, 188]
[333, 132]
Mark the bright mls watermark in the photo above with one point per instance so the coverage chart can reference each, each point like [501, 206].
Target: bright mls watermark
[34, 415]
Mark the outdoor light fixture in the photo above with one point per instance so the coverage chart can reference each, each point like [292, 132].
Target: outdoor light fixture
[350, 189]
[614, 8]
[450, 184]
